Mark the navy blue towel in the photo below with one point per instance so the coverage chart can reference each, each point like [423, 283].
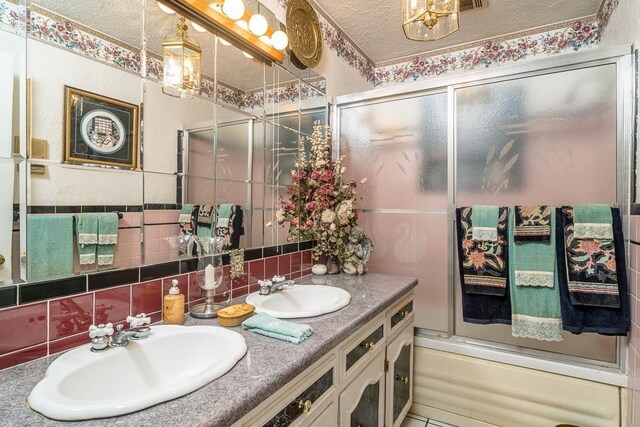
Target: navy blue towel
[582, 318]
[478, 307]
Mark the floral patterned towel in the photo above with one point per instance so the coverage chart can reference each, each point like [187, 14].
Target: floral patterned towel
[533, 223]
[591, 268]
[484, 263]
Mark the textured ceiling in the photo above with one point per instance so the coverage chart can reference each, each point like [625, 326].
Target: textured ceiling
[124, 22]
[376, 25]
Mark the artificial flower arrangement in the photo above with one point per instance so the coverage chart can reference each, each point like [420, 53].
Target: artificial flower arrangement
[320, 205]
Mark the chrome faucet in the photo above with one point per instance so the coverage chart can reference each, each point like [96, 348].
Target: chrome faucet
[103, 336]
[274, 285]
[136, 331]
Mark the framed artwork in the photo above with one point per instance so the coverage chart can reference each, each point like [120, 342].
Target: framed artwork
[100, 130]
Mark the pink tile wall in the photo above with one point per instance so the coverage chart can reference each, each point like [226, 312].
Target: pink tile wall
[633, 355]
[159, 224]
[36, 330]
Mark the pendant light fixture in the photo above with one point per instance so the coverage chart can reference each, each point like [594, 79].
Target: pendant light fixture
[428, 20]
[181, 57]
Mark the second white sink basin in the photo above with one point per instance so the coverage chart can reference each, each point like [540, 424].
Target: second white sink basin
[173, 361]
[300, 301]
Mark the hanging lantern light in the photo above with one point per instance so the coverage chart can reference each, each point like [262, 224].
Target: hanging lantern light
[428, 20]
[181, 55]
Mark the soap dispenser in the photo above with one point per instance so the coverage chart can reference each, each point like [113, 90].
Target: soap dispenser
[173, 313]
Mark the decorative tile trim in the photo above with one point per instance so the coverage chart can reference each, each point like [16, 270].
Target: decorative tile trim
[578, 36]
[607, 7]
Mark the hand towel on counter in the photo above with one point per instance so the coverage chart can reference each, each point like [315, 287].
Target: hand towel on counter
[587, 318]
[273, 327]
[87, 236]
[50, 246]
[107, 237]
[532, 223]
[478, 261]
[592, 222]
[535, 306]
[484, 220]
[591, 267]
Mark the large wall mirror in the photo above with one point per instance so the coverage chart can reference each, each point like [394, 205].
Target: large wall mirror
[94, 130]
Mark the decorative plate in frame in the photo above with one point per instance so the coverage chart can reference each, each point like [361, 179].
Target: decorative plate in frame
[100, 130]
[305, 35]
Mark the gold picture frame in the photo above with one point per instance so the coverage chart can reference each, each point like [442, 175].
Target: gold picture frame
[100, 130]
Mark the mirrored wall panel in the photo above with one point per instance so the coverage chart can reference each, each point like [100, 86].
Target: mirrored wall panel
[113, 167]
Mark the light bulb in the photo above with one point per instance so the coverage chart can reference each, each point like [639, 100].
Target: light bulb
[165, 9]
[242, 24]
[234, 9]
[266, 40]
[247, 55]
[258, 25]
[279, 40]
[224, 42]
[198, 28]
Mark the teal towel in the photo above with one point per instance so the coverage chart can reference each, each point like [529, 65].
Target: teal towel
[534, 262]
[535, 310]
[223, 217]
[107, 237]
[87, 236]
[185, 213]
[484, 222]
[273, 327]
[592, 222]
[50, 246]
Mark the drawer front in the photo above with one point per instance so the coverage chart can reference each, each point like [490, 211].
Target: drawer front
[367, 345]
[303, 403]
[401, 314]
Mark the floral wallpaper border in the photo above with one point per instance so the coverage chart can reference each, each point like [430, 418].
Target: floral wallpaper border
[12, 16]
[549, 42]
[56, 30]
[338, 41]
[578, 36]
[607, 7]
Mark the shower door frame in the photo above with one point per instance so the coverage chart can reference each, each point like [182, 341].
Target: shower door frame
[622, 57]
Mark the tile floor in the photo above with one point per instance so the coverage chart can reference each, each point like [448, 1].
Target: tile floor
[415, 421]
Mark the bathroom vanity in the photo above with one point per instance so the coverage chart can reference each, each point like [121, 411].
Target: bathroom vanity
[356, 369]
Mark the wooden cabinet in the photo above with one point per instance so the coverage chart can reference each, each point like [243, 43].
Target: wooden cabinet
[366, 381]
[399, 377]
[362, 403]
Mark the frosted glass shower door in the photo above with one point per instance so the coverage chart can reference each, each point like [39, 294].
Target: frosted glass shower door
[400, 146]
[545, 139]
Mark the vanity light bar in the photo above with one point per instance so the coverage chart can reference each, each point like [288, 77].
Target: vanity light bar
[198, 11]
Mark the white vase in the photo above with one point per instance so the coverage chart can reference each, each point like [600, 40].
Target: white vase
[319, 269]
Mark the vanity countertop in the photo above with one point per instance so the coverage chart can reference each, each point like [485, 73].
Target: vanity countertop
[268, 365]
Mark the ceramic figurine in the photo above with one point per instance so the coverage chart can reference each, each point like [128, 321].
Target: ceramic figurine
[358, 251]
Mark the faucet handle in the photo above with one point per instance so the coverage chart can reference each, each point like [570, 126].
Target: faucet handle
[100, 330]
[140, 320]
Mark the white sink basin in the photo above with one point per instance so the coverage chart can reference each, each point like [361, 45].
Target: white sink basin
[173, 361]
[300, 301]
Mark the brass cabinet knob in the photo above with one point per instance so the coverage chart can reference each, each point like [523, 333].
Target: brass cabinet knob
[405, 313]
[368, 345]
[1, 259]
[305, 405]
[404, 379]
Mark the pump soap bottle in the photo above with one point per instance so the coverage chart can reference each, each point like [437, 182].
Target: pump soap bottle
[173, 313]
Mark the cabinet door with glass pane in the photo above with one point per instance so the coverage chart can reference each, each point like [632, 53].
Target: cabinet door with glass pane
[399, 381]
[362, 401]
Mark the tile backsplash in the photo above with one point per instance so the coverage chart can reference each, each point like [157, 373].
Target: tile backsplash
[633, 354]
[36, 329]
